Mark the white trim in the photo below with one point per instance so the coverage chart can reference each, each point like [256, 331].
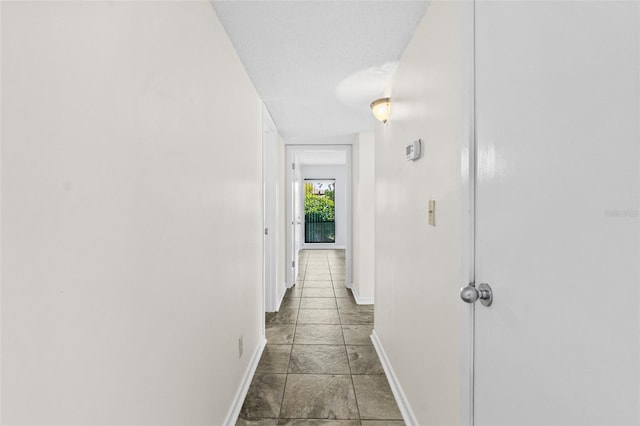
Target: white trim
[403, 404]
[323, 246]
[241, 394]
[349, 249]
[270, 211]
[281, 297]
[468, 164]
[360, 300]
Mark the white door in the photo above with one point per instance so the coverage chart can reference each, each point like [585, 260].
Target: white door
[269, 177]
[298, 222]
[293, 211]
[558, 213]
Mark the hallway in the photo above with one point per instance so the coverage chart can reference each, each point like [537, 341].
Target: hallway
[319, 362]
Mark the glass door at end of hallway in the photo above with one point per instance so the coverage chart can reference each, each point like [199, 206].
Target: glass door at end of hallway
[319, 211]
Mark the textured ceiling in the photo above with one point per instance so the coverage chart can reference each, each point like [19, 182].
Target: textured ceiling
[318, 64]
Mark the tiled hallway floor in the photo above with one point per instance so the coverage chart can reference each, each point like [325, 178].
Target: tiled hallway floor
[319, 366]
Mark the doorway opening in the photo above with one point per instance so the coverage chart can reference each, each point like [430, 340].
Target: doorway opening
[328, 168]
[319, 211]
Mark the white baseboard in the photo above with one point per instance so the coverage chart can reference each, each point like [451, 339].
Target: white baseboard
[401, 399]
[361, 300]
[241, 394]
[323, 246]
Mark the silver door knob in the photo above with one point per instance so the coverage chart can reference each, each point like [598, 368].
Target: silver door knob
[483, 292]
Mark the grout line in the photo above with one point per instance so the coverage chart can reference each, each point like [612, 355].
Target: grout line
[344, 343]
[346, 351]
[293, 340]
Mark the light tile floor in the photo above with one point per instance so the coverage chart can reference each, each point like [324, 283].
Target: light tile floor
[319, 366]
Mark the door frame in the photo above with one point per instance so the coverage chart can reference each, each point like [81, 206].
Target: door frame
[311, 246]
[291, 260]
[468, 160]
[270, 213]
[292, 244]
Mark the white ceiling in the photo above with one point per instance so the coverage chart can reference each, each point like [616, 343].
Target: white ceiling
[318, 64]
[320, 157]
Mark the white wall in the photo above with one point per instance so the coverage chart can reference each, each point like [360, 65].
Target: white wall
[131, 214]
[363, 153]
[339, 173]
[418, 266]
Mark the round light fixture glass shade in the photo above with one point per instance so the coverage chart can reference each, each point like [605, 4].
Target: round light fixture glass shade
[381, 109]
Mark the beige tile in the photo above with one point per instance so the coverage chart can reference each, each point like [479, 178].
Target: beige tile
[318, 316]
[290, 302]
[318, 267]
[295, 291]
[318, 303]
[319, 359]
[283, 316]
[357, 334]
[318, 292]
[316, 276]
[318, 284]
[264, 397]
[354, 307]
[342, 292]
[364, 360]
[375, 399]
[345, 302]
[275, 359]
[356, 317]
[319, 397]
[280, 334]
[338, 284]
[319, 348]
[318, 334]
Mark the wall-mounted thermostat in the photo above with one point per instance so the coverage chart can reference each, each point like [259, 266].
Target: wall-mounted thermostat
[413, 150]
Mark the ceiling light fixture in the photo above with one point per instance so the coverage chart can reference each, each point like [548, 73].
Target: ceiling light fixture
[381, 109]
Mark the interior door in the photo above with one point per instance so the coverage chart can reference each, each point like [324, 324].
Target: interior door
[269, 171]
[557, 213]
[297, 227]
